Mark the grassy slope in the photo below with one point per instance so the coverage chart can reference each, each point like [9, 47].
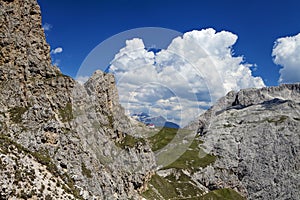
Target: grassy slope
[162, 138]
[181, 186]
[191, 160]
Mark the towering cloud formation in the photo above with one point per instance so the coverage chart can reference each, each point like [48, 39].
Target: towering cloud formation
[286, 53]
[183, 79]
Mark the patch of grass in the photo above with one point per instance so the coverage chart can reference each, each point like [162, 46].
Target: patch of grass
[129, 141]
[6, 142]
[70, 186]
[162, 138]
[222, 194]
[66, 113]
[182, 188]
[169, 188]
[65, 130]
[44, 159]
[85, 171]
[228, 125]
[180, 177]
[110, 121]
[16, 114]
[151, 193]
[2, 165]
[191, 159]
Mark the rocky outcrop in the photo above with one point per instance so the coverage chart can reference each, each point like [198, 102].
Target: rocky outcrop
[255, 133]
[55, 131]
[63, 140]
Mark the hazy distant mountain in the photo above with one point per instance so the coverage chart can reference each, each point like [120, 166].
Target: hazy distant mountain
[158, 121]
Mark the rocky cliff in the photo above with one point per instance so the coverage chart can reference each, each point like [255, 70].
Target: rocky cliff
[59, 139]
[246, 147]
[255, 134]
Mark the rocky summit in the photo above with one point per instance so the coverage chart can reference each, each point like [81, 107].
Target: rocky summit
[63, 140]
[255, 133]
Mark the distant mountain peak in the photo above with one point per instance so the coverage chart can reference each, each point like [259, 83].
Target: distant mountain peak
[158, 121]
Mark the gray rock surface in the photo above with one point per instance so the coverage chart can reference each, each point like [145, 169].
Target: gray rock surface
[255, 133]
[70, 133]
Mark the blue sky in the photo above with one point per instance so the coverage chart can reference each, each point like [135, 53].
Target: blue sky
[238, 37]
[79, 26]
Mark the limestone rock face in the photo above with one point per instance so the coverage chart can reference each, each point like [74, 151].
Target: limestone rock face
[255, 133]
[23, 45]
[56, 133]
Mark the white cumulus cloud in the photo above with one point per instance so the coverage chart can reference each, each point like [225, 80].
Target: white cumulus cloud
[82, 79]
[56, 50]
[286, 52]
[182, 80]
[47, 27]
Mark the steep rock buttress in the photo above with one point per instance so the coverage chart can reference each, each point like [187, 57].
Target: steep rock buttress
[60, 139]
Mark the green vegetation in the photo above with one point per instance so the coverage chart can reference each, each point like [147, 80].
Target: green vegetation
[184, 188]
[44, 158]
[16, 113]
[2, 165]
[169, 188]
[66, 113]
[228, 125]
[162, 138]
[277, 120]
[179, 186]
[85, 171]
[222, 194]
[191, 159]
[110, 121]
[70, 188]
[129, 141]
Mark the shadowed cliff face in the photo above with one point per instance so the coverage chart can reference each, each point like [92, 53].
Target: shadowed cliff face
[255, 133]
[60, 139]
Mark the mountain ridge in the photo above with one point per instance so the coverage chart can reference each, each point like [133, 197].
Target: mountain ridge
[246, 146]
[262, 128]
[158, 121]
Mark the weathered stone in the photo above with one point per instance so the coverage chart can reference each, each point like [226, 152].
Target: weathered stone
[256, 135]
[71, 131]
